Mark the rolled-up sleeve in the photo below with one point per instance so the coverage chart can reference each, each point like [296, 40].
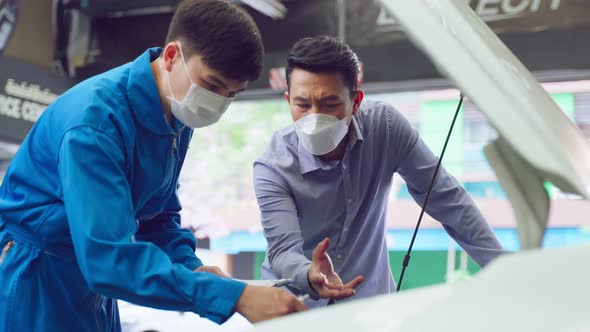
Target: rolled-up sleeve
[98, 203]
[279, 218]
[449, 203]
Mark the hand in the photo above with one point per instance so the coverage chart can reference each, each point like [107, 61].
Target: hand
[324, 280]
[212, 269]
[258, 303]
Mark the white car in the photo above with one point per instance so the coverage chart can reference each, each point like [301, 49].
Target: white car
[142, 319]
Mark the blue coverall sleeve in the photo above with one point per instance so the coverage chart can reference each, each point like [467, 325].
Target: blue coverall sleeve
[164, 231]
[97, 200]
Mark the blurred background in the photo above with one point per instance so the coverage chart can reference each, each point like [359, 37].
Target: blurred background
[47, 46]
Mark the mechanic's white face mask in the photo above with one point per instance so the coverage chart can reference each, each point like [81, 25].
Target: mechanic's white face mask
[321, 133]
[200, 107]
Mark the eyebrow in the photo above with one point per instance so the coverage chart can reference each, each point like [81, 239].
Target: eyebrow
[331, 98]
[216, 80]
[301, 100]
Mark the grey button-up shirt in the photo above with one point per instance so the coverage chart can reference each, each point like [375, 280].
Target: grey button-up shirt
[302, 200]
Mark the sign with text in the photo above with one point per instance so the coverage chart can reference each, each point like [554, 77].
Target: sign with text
[25, 92]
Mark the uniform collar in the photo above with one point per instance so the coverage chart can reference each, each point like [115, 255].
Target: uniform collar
[144, 97]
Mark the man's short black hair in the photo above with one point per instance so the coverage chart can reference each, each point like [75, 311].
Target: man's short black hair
[324, 54]
[222, 33]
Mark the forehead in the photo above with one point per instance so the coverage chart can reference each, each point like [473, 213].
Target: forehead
[304, 82]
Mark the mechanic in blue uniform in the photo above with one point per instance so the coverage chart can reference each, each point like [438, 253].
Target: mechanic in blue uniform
[89, 210]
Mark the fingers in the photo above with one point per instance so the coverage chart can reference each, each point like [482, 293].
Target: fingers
[329, 260]
[337, 294]
[333, 285]
[292, 303]
[330, 290]
[320, 250]
[298, 306]
[355, 282]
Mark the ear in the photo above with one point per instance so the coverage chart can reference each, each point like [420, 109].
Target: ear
[357, 100]
[170, 55]
[287, 98]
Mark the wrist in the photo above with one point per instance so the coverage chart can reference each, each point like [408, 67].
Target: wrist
[302, 281]
[309, 283]
[243, 299]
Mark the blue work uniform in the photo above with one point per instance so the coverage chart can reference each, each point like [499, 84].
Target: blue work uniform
[89, 213]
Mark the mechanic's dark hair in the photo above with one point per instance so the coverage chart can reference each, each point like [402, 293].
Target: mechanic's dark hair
[324, 54]
[222, 33]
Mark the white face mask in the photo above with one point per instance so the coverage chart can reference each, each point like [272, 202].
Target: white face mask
[200, 107]
[321, 133]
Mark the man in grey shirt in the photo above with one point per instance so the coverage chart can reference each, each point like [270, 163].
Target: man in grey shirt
[322, 184]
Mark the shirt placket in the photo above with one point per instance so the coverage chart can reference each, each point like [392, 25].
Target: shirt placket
[349, 199]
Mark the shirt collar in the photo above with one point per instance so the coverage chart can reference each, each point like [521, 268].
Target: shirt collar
[143, 95]
[309, 162]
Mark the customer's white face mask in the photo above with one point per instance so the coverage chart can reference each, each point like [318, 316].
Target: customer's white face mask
[321, 133]
[200, 107]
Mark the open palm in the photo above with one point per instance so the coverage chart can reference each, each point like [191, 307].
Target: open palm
[324, 280]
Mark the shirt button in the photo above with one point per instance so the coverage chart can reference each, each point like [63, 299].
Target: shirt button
[349, 200]
[339, 256]
[344, 166]
[346, 229]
